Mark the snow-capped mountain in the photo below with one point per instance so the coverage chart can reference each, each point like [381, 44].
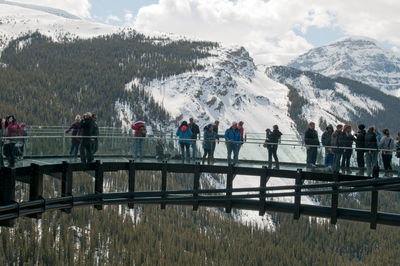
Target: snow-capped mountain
[356, 58]
[18, 19]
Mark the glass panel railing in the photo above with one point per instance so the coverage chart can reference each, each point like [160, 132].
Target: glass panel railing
[112, 142]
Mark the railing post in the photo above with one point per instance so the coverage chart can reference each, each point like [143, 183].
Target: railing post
[263, 185]
[196, 185]
[374, 200]
[132, 176]
[36, 186]
[334, 199]
[229, 186]
[297, 197]
[98, 185]
[66, 183]
[163, 183]
[7, 191]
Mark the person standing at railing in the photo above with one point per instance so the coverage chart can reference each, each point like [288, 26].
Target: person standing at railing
[195, 132]
[360, 145]
[348, 139]
[387, 145]
[337, 141]
[327, 143]
[2, 134]
[18, 150]
[140, 134]
[209, 139]
[11, 132]
[233, 141]
[312, 142]
[371, 155]
[241, 129]
[185, 134]
[87, 126]
[273, 138]
[95, 143]
[75, 140]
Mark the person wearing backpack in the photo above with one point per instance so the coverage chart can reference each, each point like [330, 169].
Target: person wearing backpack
[185, 135]
[326, 142]
[273, 138]
[140, 133]
[387, 145]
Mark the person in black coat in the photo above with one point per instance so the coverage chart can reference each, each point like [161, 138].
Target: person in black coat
[195, 132]
[312, 142]
[348, 140]
[371, 155]
[360, 143]
[272, 140]
[87, 126]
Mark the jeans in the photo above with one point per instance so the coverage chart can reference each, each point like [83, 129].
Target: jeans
[138, 147]
[86, 151]
[235, 149]
[328, 159]
[74, 149]
[194, 150]
[95, 146]
[387, 159]
[371, 160]
[336, 161]
[185, 155]
[311, 156]
[8, 152]
[346, 158]
[360, 159]
[272, 153]
[209, 153]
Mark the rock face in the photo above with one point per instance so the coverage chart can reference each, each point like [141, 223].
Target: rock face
[355, 58]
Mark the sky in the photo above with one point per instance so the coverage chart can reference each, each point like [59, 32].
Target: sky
[273, 31]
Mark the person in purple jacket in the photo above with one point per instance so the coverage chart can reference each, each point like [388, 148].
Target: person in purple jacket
[75, 140]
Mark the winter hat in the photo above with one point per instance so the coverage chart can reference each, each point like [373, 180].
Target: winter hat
[361, 127]
[22, 124]
[329, 127]
[345, 127]
[234, 123]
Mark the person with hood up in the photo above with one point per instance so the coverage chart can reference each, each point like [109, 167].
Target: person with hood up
[185, 134]
[233, 141]
[273, 138]
[348, 139]
[326, 142]
[387, 145]
[208, 143]
[371, 155]
[360, 144]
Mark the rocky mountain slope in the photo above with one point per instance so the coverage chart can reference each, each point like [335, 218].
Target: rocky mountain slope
[356, 58]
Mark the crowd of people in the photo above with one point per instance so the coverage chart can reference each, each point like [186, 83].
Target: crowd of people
[371, 145]
[12, 140]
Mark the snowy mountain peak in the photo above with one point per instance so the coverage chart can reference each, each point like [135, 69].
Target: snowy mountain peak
[357, 58]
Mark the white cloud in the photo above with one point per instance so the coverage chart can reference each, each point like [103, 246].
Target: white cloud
[112, 18]
[266, 28]
[79, 8]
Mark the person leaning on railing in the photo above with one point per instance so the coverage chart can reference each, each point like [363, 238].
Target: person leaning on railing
[233, 142]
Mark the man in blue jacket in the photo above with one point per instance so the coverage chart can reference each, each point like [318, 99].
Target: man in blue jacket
[233, 142]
